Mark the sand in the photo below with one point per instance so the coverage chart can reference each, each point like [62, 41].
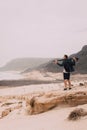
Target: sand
[55, 119]
[52, 120]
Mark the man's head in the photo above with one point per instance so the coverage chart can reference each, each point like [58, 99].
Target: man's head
[65, 56]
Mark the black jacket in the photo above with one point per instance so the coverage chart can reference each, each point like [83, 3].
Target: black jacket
[67, 64]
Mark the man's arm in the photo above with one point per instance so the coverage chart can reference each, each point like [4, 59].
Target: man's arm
[60, 64]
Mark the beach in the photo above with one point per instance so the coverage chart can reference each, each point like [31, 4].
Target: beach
[14, 101]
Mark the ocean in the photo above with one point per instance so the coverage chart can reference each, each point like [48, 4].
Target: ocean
[10, 75]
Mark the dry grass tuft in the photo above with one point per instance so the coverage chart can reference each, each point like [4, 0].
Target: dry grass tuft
[77, 114]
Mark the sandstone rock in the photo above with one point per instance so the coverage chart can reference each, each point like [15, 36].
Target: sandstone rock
[5, 112]
[9, 106]
[39, 105]
[42, 104]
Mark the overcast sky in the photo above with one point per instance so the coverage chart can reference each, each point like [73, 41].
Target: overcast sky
[41, 28]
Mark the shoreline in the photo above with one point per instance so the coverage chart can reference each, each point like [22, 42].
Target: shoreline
[25, 82]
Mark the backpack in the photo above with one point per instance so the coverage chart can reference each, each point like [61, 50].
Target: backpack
[72, 64]
[69, 65]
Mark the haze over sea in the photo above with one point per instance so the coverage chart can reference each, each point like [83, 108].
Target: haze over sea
[10, 75]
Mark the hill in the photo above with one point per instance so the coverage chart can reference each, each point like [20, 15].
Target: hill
[82, 63]
[45, 64]
[21, 64]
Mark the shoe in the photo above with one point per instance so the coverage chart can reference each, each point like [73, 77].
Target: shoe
[65, 89]
[70, 88]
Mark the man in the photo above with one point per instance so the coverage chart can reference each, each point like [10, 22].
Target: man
[68, 64]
